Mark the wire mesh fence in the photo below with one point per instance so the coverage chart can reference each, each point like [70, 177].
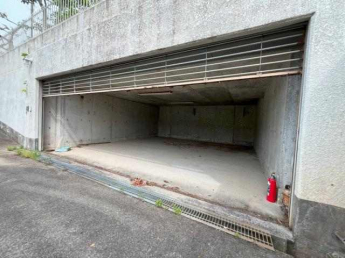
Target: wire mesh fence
[55, 12]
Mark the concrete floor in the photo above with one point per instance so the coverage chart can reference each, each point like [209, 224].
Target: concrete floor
[46, 212]
[230, 176]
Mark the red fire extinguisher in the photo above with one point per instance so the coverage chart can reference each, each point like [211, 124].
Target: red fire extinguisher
[272, 188]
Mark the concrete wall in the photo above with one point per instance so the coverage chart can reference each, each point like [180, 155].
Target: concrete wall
[96, 118]
[220, 124]
[19, 100]
[118, 30]
[132, 120]
[276, 133]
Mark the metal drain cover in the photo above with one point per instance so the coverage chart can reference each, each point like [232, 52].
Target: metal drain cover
[259, 237]
[246, 232]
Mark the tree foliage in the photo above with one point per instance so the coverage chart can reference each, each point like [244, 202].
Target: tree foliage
[41, 3]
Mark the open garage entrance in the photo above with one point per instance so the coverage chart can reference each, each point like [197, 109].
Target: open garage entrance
[218, 142]
[211, 122]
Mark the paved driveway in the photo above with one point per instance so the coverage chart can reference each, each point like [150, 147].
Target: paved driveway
[45, 212]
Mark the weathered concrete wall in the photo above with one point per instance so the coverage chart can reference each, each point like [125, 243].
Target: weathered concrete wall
[314, 227]
[220, 124]
[95, 118]
[102, 34]
[19, 99]
[119, 30]
[132, 120]
[276, 133]
[74, 120]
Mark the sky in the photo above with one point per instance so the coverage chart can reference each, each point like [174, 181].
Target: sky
[15, 10]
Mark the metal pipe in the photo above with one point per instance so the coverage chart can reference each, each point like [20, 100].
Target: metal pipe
[182, 74]
[149, 69]
[242, 76]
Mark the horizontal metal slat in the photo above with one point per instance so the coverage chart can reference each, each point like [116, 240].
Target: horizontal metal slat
[258, 55]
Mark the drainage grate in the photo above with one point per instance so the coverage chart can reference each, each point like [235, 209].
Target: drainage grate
[246, 232]
[240, 230]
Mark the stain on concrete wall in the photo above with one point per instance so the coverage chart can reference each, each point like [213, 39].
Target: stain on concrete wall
[219, 124]
[245, 125]
[132, 120]
[277, 127]
[95, 118]
[49, 122]
[314, 227]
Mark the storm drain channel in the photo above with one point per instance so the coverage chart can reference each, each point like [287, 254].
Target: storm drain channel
[243, 231]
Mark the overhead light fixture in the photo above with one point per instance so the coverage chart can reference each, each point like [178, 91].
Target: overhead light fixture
[155, 93]
[182, 103]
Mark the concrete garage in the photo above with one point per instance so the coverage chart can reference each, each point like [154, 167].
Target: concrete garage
[218, 141]
[67, 60]
[212, 121]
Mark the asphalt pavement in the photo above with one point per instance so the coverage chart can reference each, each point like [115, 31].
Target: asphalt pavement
[46, 212]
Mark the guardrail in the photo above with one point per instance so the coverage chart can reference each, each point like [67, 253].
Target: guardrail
[55, 12]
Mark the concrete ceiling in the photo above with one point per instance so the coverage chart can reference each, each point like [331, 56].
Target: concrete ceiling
[231, 92]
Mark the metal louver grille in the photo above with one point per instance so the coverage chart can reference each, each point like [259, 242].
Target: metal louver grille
[275, 54]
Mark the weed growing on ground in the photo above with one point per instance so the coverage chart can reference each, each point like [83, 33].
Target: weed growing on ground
[159, 203]
[237, 235]
[11, 148]
[177, 210]
[29, 154]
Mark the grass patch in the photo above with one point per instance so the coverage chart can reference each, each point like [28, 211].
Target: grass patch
[159, 203]
[177, 210]
[11, 148]
[29, 154]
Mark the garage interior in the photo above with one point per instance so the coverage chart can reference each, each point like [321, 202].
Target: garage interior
[219, 151]
[215, 140]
